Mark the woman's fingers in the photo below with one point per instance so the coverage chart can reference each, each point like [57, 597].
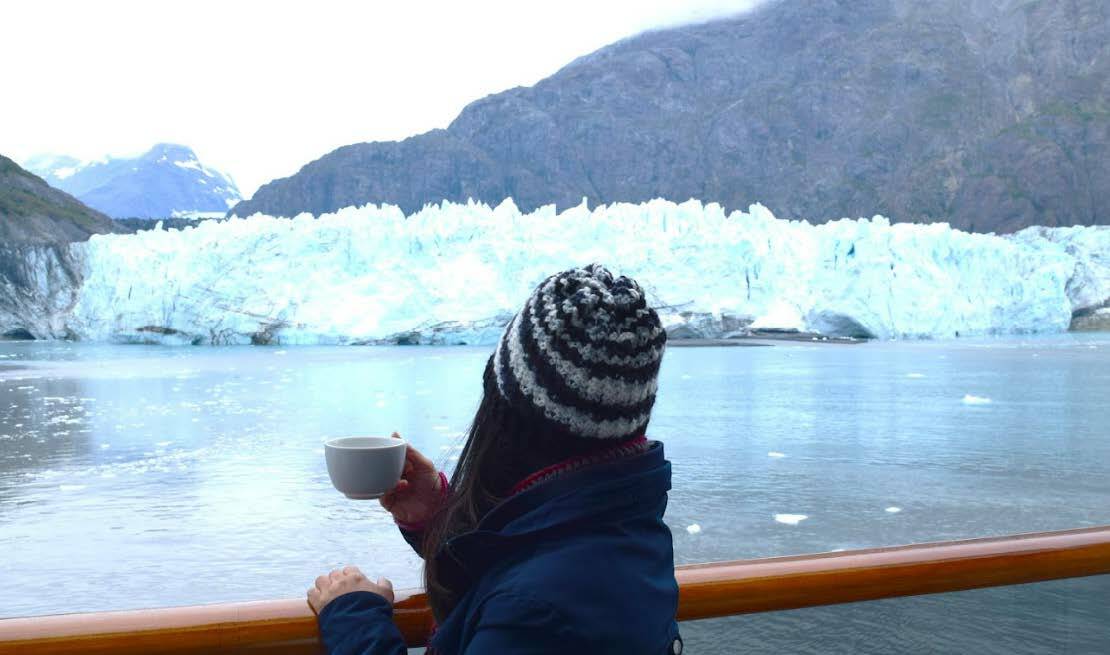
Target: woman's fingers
[418, 460]
[390, 498]
[353, 572]
[391, 495]
[342, 581]
[385, 589]
[414, 457]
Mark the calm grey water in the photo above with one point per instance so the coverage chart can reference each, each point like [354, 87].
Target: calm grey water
[138, 477]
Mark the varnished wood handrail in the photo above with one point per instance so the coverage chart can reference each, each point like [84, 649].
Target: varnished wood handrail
[706, 590]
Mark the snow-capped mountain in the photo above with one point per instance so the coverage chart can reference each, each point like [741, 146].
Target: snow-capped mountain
[167, 180]
[54, 168]
[455, 273]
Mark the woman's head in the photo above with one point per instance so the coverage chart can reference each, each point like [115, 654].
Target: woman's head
[574, 372]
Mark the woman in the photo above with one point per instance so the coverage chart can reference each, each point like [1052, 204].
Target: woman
[549, 537]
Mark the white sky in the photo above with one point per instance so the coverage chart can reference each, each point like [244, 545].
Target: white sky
[258, 89]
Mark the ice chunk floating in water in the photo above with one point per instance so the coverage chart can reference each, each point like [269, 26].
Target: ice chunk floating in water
[790, 519]
[776, 454]
[693, 528]
[893, 510]
[976, 400]
[456, 273]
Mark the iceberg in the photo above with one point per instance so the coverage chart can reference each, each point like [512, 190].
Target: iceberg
[790, 519]
[455, 273]
[969, 399]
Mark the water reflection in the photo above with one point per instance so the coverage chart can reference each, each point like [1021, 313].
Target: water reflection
[43, 425]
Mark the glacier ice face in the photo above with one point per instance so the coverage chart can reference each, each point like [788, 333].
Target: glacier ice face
[455, 273]
[1088, 288]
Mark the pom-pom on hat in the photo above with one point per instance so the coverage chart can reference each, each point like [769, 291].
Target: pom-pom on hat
[584, 353]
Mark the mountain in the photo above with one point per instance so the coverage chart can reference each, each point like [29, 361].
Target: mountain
[991, 115]
[33, 213]
[166, 180]
[39, 275]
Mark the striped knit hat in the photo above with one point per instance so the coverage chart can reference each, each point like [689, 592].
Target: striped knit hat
[584, 354]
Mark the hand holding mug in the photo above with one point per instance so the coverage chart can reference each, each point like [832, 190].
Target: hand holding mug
[420, 491]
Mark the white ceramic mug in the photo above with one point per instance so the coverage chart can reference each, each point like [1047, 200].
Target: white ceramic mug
[365, 467]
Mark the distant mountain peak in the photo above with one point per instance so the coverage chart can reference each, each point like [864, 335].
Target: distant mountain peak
[167, 180]
[173, 151]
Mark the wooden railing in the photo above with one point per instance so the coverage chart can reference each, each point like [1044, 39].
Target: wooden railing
[706, 590]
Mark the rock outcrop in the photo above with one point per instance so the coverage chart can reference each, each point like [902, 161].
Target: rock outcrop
[39, 274]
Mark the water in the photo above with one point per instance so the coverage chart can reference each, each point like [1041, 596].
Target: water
[138, 477]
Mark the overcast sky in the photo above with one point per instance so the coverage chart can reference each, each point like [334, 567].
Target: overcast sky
[260, 88]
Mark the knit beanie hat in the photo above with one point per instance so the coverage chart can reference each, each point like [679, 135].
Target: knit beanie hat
[583, 354]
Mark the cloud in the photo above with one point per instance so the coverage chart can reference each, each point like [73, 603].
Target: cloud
[673, 15]
[260, 88]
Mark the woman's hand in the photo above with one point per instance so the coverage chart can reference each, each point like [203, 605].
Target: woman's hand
[338, 582]
[419, 493]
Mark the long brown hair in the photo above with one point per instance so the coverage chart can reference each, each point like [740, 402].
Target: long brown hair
[503, 446]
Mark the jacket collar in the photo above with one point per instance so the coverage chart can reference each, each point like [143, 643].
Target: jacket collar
[619, 489]
[585, 493]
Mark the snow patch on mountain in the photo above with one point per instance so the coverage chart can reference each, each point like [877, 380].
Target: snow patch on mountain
[168, 178]
[455, 273]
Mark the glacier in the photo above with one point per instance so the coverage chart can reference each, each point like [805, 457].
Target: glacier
[455, 273]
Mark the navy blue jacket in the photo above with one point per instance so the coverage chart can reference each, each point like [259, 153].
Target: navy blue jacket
[579, 564]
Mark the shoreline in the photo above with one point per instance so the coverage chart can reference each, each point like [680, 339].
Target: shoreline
[765, 339]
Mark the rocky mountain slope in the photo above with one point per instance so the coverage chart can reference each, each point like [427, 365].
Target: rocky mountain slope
[166, 180]
[39, 276]
[31, 212]
[992, 115]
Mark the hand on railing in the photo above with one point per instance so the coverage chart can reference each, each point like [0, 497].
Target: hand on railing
[419, 493]
[349, 579]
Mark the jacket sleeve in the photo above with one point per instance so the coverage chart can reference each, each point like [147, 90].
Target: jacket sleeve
[360, 623]
[519, 625]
